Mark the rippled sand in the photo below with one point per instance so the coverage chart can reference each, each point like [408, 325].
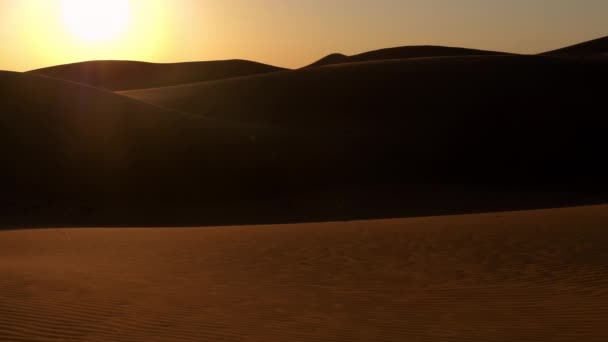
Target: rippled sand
[522, 276]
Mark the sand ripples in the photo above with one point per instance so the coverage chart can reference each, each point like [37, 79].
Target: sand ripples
[527, 276]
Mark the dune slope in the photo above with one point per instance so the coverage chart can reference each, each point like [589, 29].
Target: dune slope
[124, 75]
[387, 92]
[593, 47]
[524, 276]
[402, 52]
[485, 114]
[362, 140]
[65, 144]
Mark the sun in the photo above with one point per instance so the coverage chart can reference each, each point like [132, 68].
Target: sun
[96, 20]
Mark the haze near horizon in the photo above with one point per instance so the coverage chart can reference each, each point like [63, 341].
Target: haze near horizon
[283, 33]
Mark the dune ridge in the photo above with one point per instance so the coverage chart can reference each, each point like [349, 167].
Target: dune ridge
[402, 52]
[523, 276]
[125, 75]
[391, 133]
[381, 92]
[593, 47]
[117, 75]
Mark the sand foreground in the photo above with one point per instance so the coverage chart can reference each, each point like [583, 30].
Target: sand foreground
[522, 276]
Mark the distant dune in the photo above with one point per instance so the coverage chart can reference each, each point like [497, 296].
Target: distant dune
[334, 58]
[124, 75]
[524, 276]
[489, 119]
[390, 91]
[403, 52]
[374, 136]
[384, 93]
[592, 47]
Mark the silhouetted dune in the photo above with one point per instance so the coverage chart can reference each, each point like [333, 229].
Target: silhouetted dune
[360, 140]
[385, 93]
[124, 75]
[593, 47]
[334, 58]
[66, 144]
[485, 119]
[403, 52]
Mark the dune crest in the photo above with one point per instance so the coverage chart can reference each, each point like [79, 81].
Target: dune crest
[593, 47]
[125, 75]
[402, 52]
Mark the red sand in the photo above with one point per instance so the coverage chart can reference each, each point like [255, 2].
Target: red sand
[523, 276]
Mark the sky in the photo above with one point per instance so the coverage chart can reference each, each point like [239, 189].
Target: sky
[288, 33]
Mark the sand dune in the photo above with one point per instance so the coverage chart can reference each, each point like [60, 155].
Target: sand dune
[334, 58]
[383, 93]
[249, 143]
[523, 276]
[485, 114]
[124, 75]
[402, 52]
[593, 47]
[317, 143]
[64, 143]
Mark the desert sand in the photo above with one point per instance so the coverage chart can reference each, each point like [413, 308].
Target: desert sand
[519, 276]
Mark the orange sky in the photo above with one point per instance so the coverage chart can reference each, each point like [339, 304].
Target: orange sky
[291, 33]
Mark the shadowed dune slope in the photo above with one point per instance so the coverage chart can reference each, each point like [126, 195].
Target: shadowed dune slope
[124, 75]
[593, 47]
[484, 118]
[403, 52]
[523, 276]
[340, 142]
[65, 143]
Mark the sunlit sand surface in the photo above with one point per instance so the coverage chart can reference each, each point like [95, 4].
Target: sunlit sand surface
[522, 276]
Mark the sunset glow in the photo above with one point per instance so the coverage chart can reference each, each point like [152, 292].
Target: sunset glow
[96, 20]
[287, 33]
[50, 32]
